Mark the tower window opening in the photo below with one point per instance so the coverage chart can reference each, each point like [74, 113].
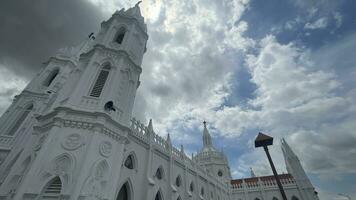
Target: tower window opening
[100, 82]
[120, 36]
[19, 121]
[51, 77]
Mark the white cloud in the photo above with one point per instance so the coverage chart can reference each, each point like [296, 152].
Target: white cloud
[338, 19]
[10, 85]
[318, 24]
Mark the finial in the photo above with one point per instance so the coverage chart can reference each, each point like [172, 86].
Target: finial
[138, 3]
[168, 138]
[150, 126]
[204, 122]
[252, 172]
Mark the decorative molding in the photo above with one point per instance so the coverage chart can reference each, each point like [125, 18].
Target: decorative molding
[72, 142]
[105, 148]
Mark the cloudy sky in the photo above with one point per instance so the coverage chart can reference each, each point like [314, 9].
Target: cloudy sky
[284, 67]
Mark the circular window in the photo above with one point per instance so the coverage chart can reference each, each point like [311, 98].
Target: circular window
[220, 173]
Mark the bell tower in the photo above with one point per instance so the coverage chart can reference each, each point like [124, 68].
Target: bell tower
[76, 142]
[108, 74]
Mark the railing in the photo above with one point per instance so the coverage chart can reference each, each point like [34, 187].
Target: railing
[267, 183]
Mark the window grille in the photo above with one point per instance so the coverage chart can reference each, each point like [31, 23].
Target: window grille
[100, 82]
[51, 77]
[54, 187]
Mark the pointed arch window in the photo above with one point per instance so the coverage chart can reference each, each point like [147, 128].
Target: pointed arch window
[191, 187]
[51, 77]
[100, 81]
[159, 173]
[294, 198]
[19, 120]
[130, 162]
[178, 181]
[158, 196]
[120, 35]
[202, 192]
[123, 193]
[53, 188]
[274, 198]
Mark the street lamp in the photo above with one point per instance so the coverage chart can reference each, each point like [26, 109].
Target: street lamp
[344, 195]
[263, 140]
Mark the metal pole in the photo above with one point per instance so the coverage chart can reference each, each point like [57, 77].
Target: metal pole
[275, 173]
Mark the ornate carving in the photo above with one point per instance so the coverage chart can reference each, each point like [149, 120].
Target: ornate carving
[73, 142]
[105, 148]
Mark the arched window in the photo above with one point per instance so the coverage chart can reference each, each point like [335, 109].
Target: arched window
[178, 181]
[159, 173]
[220, 173]
[129, 162]
[294, 198]
[51, 77]
[124, 193]
[120, 35]
[191, 187]
[274, 198]
[202, 192]
[53, 188]
[100, 81]
[19, 120]
[158, 196]
[257, 198]
[179, 198]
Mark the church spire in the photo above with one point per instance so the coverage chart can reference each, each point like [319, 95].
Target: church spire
[287, 151]
[206, 137]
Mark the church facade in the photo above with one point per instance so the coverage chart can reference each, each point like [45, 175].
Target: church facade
[70, 134]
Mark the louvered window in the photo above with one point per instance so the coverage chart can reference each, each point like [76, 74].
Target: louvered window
[54, 188]
[19, 120]
[100, 82]
[51, 77]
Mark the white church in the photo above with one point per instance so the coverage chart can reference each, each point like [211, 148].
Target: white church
[70, 135]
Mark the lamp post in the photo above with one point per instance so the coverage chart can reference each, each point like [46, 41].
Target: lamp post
[344, 195]
[263, 140]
